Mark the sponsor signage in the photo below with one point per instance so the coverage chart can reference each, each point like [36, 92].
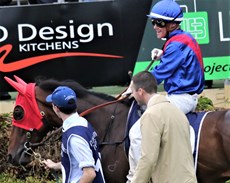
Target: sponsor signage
[93, 43]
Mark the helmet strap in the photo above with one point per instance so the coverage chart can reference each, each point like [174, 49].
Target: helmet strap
[176, 16]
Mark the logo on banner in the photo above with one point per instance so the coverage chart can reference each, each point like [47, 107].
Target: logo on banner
[63, 37]
[197, 24]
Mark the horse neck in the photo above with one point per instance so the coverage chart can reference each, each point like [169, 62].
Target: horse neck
[89, 102]
[108, 121]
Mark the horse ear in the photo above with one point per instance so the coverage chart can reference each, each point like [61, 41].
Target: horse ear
[18, 86]
[19, 80]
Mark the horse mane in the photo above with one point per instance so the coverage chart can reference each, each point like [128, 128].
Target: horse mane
[49, 85]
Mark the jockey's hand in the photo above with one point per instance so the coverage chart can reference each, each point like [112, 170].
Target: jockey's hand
[156, 54]
[127, 92]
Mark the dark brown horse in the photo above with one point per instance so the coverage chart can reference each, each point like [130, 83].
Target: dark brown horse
[109, 122]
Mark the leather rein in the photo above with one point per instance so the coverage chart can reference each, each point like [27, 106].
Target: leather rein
[84, 113]
[100, 106]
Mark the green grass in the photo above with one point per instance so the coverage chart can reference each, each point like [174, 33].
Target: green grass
[7, 178]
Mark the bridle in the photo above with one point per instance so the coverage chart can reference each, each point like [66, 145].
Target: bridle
[28, 145]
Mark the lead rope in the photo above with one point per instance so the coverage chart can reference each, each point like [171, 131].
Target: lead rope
[32, 153]
[39, 159]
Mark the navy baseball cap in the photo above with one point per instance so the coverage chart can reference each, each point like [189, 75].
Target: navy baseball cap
[64, 97]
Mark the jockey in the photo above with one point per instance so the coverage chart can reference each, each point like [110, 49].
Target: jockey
[180, 67]
[181, 64]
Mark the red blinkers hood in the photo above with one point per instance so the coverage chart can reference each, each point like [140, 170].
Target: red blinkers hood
[32, 119]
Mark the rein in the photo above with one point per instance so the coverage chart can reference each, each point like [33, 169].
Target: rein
[118, 99]
[100, 106]
[28, 144]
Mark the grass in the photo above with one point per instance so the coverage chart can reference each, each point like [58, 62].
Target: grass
[7, 178]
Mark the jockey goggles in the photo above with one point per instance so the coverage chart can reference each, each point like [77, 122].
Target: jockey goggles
[158, 23]
[162, 23]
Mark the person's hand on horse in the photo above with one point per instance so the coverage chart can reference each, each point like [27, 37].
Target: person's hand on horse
[156, 54]
[127, 92]
[52, 165]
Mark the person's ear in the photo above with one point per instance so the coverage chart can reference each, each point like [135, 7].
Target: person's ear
[55, 108]
[172, 26]
[141, 91]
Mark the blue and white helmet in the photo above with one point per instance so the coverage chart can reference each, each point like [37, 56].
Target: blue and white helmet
[167, 10]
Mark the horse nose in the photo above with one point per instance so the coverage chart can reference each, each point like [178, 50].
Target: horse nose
[11, 160]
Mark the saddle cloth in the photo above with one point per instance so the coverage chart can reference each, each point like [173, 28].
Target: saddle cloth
[196, 120]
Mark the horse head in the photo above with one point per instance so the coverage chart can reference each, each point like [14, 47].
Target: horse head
[29, 123]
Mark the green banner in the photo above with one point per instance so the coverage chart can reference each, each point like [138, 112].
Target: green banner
[197, 24]
[214, 67]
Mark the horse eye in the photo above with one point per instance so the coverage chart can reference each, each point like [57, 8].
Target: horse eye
[18, 113]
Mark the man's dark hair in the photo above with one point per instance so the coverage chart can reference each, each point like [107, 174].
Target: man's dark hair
[146, 81]
[71, 109]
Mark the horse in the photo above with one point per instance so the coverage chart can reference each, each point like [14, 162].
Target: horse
[110, 123]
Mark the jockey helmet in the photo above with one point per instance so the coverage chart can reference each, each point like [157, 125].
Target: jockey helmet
[167, 10]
